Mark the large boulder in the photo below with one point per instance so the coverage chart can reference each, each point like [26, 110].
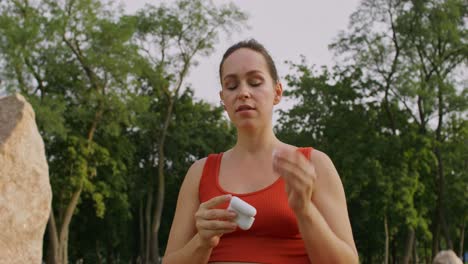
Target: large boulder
[25, 192]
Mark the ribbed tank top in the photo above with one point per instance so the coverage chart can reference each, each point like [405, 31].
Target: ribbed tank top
[274, 236]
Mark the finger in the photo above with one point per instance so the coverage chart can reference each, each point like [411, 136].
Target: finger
[216, 225]
[294, 162]
[213, 202]
[219, 232]
[294, 157]
[212, 214]
[286, 168]
[295, 177]
[286, 187]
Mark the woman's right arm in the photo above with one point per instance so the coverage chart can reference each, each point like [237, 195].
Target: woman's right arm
[196, 228]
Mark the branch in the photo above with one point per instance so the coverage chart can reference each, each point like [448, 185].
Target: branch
[69, 212]
[77, 51]
[53, 236]
[406, 106]
[20, 79]
[40, 85]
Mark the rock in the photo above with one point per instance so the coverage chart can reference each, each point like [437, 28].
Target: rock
[25, 192]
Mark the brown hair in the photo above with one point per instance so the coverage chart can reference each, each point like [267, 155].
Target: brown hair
[255, 46]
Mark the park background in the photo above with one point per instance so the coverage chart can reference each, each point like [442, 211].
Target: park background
[123, 113]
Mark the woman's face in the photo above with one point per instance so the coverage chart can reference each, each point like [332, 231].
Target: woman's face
[248, 90]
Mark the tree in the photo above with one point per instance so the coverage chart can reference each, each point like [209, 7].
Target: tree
[197, 129]
[333, 113]
[96, 77]
[412, 51]
[53, 52]
[171, 39]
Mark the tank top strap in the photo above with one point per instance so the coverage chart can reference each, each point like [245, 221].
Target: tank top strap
[208, 177]
[306, 151]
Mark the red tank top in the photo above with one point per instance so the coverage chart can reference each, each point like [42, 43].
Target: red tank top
[274, 236]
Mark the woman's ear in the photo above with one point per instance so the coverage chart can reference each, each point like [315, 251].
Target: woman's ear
[221, 97]
[278, 93]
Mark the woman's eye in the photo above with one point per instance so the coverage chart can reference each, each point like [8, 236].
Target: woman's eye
[231, 86]
[255, 84]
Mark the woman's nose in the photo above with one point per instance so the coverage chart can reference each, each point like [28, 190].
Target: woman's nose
[244, 92]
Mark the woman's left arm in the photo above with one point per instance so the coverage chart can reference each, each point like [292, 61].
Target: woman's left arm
[316, 195]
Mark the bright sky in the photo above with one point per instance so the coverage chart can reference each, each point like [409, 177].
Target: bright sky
[287, 29]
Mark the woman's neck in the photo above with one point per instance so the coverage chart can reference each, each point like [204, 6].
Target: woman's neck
[256, 141]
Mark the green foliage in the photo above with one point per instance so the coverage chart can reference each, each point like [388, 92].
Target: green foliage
[391, 116]
[101, 83]
[384, 117]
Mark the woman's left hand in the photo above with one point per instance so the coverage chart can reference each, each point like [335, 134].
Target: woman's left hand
[298, 174]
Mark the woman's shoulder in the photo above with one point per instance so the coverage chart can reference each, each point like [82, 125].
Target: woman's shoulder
[322, 161]
[319, 157]
[327, 176]
[196, 168]
[195, 171]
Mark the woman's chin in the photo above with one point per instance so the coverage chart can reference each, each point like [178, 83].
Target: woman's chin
[246, 125]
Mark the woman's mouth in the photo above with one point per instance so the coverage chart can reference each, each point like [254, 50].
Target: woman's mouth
[244, 108]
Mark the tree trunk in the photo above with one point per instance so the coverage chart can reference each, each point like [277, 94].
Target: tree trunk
[427, 256]
[441, 197]
[409, 246]
[415, 251]
[110, 254]
[153, 229]
[52, 253]
[462, 240]
[149, 204]
[369, 259]
[157, 213]
[437, 216]
[445, 228]
[440, 162]
[435, 235]
[387, 239]
[159, 208]
[142, 229]
[63, 250]
[64, 229]
[98, 254]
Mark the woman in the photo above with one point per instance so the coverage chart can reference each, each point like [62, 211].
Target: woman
[301, 207]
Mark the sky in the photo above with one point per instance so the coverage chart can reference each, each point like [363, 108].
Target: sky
[288, 29]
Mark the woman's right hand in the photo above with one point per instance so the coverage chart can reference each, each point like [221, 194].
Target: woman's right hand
[212, 223]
